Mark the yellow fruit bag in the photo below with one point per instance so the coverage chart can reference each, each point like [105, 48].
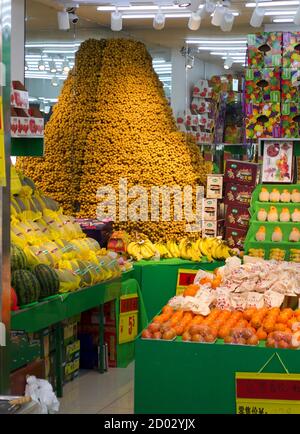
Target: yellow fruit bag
[68, 281]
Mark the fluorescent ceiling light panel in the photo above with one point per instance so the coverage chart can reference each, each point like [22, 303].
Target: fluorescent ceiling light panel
[276, 12]
[54, 45]
[140, 8]
[221, 53]
[59, 51]
[283, 20]
[145, 16]
[273, 3]
[217, 42]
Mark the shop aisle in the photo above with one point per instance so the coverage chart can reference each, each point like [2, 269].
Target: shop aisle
[109, 393]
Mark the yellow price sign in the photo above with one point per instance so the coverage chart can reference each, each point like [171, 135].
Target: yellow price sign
[128, 318]
[260, 393]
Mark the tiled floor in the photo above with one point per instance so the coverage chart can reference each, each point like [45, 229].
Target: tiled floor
[108, 393]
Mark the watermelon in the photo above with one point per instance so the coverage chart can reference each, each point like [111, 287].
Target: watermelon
[18, 260]
[26, 286]
[48, 280]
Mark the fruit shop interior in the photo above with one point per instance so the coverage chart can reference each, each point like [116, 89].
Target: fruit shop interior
[150, 160]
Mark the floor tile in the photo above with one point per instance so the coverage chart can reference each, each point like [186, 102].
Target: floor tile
[115, 410]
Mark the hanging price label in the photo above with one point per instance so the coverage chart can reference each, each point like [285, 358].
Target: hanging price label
[128, 318]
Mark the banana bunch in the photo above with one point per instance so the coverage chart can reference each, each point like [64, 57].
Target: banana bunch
[189, 250]
[295, 255]
[163, 250]
[142, 249]
[257, 253]
[173, 248]
[212, 249]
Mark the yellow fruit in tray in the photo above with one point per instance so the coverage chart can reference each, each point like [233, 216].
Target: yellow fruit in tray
[274, 195]
[261, 234]
[277, 235]
[294, 235]
[262, 215]
[285, 215]
[295, 196]
[296, 215]
[285, 196]
[273, 214]
[264, 195]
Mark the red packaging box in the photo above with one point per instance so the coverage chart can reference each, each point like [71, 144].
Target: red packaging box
[241, 172]
[238, 194]
[110, 338]
[235, 237]
[237, 216]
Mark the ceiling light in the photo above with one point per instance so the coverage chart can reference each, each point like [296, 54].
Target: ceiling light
[257, 17]
[229, 53]
[41, 65]
[283, 20]
[278, 12]
[73, 18]
[297, 17]
[42, 106]
[217, 41]
[194, 21]
[194, 7]
[152, 15]
[26, 66]
[66, 66]
[228, 62]
[52, 66]
[63, 20]
[227, 22]
[273, 3]
[159, 20]
[189, 63]
[55, 81]
[210, 6]
[116, 21]
[139, 8]
[183, 3]
[218, 15]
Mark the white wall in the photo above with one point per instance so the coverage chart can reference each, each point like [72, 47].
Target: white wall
[183, 80]
[17, 39]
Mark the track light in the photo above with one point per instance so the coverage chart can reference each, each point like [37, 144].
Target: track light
[52, 66]
[297, 17]
[41, 65]
[257, 17]
[194, 7]
[183, 3]
[194, 21]
[159, 20]
[73, 18]
[218, 15]
[63, 20]
[210, 6]
[55, 81]
[66, 66]
[227, 21]
[189, 63]
[228, 62]
[116, 21]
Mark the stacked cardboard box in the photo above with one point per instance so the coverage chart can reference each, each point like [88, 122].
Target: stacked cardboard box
[213, 207]
[240, 180]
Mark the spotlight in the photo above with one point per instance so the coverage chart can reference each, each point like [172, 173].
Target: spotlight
[194, 21]
[210, 6]
[26, 66]
[297, 17]
[183, 3]
[73, 18]
[66, 66]
[41, 65]
[159, 20]
[116, 21]
[257, 17]
[55, 81]
[228, 62]
[52, 66]
[63, 20]
[194, 7]
[189, 64]
[218, 15]
[227, 22]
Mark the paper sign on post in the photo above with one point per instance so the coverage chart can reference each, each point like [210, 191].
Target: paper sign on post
[128, 318]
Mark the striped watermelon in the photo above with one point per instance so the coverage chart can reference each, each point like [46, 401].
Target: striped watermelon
[18, 260]
[26, 286]
[48, 280]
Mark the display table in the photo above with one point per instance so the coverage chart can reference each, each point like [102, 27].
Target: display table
[157, 280]
[183, 377]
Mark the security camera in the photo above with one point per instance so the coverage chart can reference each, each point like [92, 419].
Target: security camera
[73, 18]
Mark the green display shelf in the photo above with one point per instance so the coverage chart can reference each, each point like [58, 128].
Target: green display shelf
[27, 147]
[49, 312]
[191, 378]
[158, 279]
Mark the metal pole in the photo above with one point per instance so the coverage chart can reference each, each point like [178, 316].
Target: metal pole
[5, 32]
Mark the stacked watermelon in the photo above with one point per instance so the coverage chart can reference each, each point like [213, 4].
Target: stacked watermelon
[26, 286]
[48, 280]
[18, 260]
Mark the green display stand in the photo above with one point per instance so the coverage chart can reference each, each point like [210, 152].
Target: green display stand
[191, 378]
[158, 279]
[125, 352]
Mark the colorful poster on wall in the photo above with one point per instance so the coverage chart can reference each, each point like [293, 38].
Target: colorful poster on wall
[278, 161]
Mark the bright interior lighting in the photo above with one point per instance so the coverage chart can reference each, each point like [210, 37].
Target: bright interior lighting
[276, 12]
[145, 16]
[220, 53]
[217, 42]
[59, 51]
[140, 8]
[283, 20]
[273, 3]
[53, 45]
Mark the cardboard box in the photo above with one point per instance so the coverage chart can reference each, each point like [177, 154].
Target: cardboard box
[110, 338]
[214, 189]
[262, 85]
[72, 351]
[200, 106]
[238, 194]
[25, 125]
[265, 50]
[291, 55]
[19, 97]
[290, 82]
[235, 237]
[263, 120]
[237, 216]
[212, 210]
[202, 90]
[213, 228]
[290, 120]
[241, 172]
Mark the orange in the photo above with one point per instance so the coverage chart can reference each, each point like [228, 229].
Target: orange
[191, 290]
[168, 310]
[280, 327]
[261, 334]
